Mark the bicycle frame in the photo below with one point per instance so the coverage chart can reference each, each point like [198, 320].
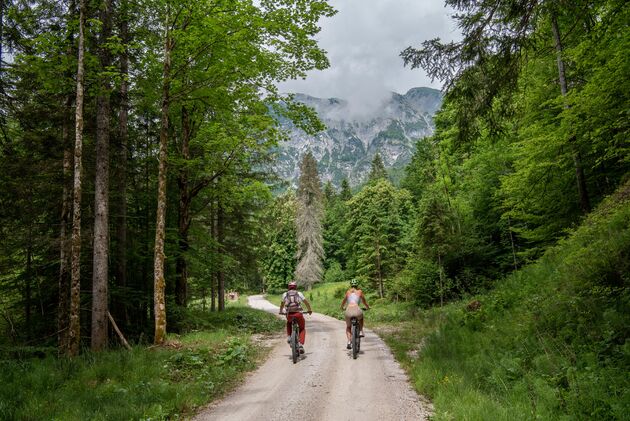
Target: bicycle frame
[294, 340]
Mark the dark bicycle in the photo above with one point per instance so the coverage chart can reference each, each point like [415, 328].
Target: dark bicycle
[294, 340]
[356, 336]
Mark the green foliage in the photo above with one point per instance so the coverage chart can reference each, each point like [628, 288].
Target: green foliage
[419, 283]
[280, 245]
[334, 273]
[549, 342]
[378, 224]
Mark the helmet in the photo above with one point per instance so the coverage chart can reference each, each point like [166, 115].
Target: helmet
[292, 285]
[354, 283]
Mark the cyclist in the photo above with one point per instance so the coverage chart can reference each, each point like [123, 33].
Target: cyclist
[353, 297]
[292, 300]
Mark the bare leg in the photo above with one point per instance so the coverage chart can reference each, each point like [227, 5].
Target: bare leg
[349, 333]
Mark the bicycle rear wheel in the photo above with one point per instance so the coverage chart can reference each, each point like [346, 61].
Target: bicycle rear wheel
[355, 339]
[295, 351]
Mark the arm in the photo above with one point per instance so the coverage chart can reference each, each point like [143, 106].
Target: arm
[343, 303]
[281, 305]
[308, 305]
[364, 301]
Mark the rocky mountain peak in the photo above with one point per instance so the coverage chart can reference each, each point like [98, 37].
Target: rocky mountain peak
[354, 134]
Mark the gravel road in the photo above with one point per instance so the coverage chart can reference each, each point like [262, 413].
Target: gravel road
[326, 384]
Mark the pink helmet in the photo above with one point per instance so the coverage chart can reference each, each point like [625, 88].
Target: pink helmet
[292, 285]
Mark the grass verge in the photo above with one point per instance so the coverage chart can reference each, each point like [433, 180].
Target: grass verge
[155, 383]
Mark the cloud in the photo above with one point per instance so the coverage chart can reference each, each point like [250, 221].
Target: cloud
[364, 41]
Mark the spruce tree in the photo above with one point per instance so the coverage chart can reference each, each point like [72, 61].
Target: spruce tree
[310, 252]
[378, 171]
[345, 193]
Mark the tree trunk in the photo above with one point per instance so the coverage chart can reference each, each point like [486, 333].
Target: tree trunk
[28, 279]
[64, 238]
[585, 204]
[221, 248]
[74, 332]
[512, 243]
[64, 244]
[213, 274]
[101, 194]
[185, 199]
[123, 133]
[159, 302]
[1, 37]
[441, 280]
[379, 271]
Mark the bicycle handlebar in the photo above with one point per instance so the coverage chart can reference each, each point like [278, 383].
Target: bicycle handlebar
[284, 313]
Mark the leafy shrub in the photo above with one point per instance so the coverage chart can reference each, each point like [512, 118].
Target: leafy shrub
[334, 273]
[419, 282]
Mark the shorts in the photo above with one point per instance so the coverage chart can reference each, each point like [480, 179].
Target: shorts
[353, 311]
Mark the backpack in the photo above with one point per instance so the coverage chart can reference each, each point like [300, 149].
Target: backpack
[292, 302]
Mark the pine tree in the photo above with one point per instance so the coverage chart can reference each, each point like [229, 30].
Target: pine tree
[310, 253]
[345, 194]
[378, 171]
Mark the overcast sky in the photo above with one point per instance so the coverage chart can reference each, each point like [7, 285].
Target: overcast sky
[364, 40]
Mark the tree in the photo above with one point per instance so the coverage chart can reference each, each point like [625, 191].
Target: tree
[310, 250]
[345, 194]
[74, 330]
[159, 283]
[100, 272]
[280, 245]
[377, 170]
[378, 224]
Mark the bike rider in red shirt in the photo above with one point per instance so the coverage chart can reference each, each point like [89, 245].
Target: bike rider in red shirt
[292, 300]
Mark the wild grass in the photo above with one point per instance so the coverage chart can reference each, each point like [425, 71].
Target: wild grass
[552, 341]
[146, 383]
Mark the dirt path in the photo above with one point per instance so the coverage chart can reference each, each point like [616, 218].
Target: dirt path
[326, 384]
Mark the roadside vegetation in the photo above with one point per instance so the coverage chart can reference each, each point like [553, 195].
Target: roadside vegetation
[158, 382]
[549, 342]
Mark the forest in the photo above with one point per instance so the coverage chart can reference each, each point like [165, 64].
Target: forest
[137, 143]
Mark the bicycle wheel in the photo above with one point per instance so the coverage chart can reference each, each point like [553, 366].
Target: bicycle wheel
[295, 351]
[355, 339]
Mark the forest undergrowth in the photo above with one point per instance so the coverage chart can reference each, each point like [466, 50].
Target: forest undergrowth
[158, 382]
[549, 342]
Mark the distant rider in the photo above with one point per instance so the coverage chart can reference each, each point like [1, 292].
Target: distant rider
[292, 300]
[353, 297]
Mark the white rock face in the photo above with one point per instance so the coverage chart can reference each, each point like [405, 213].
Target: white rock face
[346, 148]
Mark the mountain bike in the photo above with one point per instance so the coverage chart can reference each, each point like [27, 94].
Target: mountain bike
[356, 336]
[294, 340]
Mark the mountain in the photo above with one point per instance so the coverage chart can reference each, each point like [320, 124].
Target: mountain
[352, 138]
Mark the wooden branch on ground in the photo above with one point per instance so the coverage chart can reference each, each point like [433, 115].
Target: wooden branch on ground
[120, 335]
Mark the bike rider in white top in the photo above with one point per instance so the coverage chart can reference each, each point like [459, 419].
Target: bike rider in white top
[354, 296]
